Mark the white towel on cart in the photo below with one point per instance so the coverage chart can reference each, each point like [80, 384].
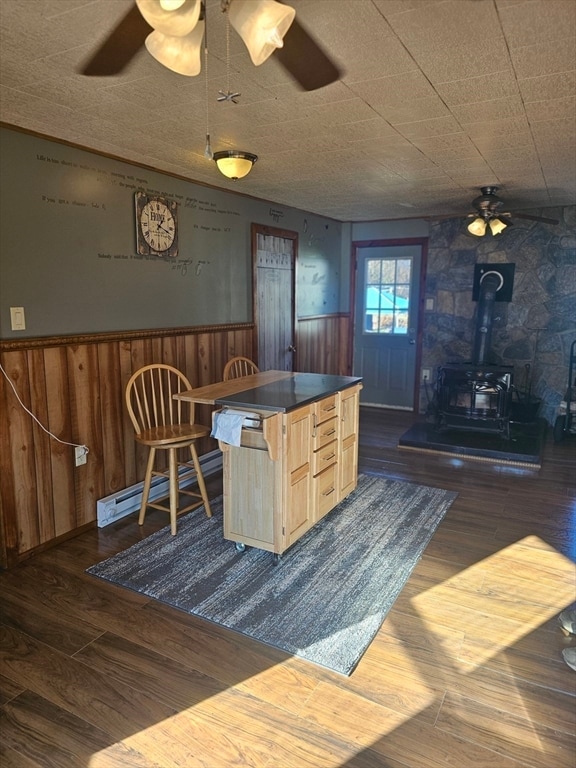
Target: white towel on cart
[227, 425]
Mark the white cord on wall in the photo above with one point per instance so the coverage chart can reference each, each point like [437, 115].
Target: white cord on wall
[64, 442]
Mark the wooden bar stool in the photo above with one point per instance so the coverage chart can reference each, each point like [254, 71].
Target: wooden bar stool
[162, 423]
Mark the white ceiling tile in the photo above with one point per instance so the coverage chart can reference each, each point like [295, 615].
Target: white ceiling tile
[484, 128]
[473, 90]
[552, 109]
[384, 91]
[547, 87]
[497, 109]
[440, 126]
[533, 22]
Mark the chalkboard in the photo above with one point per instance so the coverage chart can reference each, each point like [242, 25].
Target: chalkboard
[68, 246]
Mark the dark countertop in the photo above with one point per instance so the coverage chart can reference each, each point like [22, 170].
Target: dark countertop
[290, 393]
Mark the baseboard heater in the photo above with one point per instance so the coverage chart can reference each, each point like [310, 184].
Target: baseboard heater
[123, 503]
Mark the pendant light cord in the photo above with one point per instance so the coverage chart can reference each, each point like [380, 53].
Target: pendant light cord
[228, 53]
[208, 154]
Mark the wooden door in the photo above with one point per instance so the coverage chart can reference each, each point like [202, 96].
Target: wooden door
[274, 257]
[387, 321]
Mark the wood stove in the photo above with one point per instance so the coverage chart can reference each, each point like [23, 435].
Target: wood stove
[476, 398]
[477, 395]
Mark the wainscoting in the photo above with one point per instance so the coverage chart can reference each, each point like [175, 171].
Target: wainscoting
[75, 387]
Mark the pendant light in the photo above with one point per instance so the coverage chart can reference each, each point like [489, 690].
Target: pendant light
[234, 163]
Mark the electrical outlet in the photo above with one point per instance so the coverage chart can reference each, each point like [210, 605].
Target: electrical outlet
[426, 374]
[80, 454]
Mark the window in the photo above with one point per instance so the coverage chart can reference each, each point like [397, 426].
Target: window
[387, 295]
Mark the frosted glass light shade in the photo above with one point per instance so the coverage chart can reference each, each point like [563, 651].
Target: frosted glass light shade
[477, 227]
[180, 54]
[497, 226]
[234, 163]
[261, 24]
[170, 17]
[171, 5]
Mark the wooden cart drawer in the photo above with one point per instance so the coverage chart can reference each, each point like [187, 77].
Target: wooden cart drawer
[326, 491]
[324, 457]
[326, 408]
[325, 433]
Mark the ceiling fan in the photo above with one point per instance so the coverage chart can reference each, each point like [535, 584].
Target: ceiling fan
[158, 24]
[490, 217]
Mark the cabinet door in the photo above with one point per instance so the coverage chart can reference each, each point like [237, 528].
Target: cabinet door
[299, 505]
[348, 460]
[251, 483]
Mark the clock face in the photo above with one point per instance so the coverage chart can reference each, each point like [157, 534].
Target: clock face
[158, 226]
[157, 229]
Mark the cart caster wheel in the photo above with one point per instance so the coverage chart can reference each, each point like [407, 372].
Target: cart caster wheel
[559, 429]
[276, 558]
[240, 546]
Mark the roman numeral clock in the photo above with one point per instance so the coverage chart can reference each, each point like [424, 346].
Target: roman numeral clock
[156, 225]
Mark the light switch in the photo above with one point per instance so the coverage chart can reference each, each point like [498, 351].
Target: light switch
[17, 318]
[429, 305]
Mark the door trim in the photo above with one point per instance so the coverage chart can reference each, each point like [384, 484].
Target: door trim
[264, 229]
[423, 243]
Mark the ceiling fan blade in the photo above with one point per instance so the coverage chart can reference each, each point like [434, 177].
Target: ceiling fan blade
[534, 218]
[305, 60]
[120, 47]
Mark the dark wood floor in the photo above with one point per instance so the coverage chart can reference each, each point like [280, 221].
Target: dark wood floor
[465, 672]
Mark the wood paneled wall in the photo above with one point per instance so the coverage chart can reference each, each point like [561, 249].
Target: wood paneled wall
[323, 344]
[75, 388]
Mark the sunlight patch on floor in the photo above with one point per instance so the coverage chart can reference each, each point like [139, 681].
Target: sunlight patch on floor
[523, 586]
[182, 740]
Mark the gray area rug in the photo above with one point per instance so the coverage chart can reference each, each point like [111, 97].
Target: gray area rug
[329, 594]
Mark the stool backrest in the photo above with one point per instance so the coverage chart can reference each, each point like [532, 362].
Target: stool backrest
[149, 397]
[238, 367]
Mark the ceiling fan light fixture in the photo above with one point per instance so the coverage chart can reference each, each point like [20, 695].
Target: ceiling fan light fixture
[498, 225]
[180, 54]
[171, 17]
[234, 163]
[477, 227]
[261, 24]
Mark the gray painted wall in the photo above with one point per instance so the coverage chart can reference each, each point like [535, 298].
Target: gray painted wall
[68, 247]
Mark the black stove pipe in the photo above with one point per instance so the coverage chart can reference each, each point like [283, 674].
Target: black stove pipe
[489, 284]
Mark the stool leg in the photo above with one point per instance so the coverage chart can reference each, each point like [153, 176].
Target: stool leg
[173, 473]
[200, 478]
[146, 489]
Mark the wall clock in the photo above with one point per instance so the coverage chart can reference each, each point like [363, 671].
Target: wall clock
[156, 225]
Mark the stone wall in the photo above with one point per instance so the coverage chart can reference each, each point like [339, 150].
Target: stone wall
[535, 330]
